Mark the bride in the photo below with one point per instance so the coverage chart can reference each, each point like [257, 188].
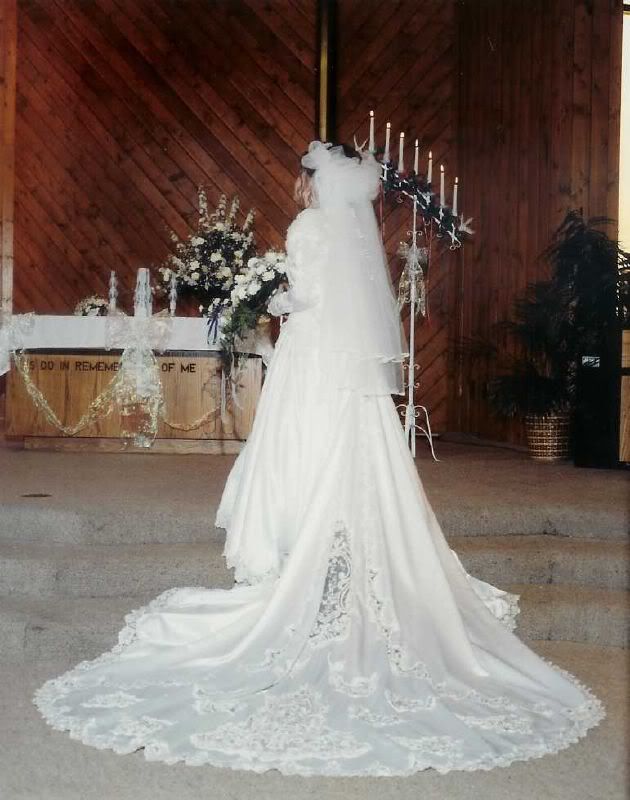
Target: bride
[353, 641]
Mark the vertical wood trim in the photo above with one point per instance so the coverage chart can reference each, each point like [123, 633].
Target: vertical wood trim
[8, 50]
[326, 105]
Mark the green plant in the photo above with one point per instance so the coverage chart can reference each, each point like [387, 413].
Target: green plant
[557, 320]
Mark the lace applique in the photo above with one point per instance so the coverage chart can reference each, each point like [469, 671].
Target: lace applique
[292, 726]
[372, 717]
[445, 745]
[208, 703]
[505, 723]
[409, 705]
[113, 700]
[358, 686]
[333, 620]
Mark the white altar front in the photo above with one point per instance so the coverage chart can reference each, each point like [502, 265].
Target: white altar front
[71, 364]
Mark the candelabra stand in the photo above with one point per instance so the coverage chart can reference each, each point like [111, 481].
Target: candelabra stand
[416, 417]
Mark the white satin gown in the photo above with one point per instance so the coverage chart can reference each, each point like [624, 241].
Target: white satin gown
[353, 643]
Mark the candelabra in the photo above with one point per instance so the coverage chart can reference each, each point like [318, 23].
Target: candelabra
[436, 218]
[414, 412]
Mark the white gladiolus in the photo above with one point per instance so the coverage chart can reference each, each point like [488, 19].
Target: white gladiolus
[194, 264]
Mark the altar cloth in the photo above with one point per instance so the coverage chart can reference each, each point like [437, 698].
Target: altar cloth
[61, 332]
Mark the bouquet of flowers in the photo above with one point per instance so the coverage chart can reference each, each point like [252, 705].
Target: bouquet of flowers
[204, 265]
[92, 306]
[254, 284]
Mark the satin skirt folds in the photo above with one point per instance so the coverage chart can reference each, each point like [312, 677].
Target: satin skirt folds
[355, 644]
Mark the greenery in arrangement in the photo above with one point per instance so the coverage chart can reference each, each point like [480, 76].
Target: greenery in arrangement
[557, 320]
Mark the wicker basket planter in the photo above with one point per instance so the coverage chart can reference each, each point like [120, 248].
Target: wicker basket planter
[548, 436]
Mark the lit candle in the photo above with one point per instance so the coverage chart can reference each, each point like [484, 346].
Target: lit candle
[372, 148]
[388, 130]
[430, 167]
[455, 188]
[401, 148]
[441, 184]
[416, 157]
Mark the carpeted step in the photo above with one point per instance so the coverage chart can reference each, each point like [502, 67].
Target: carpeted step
[111, 570]
[131, 570]
[78, 628]
[545, 559]
[574, 613]
[92, 498]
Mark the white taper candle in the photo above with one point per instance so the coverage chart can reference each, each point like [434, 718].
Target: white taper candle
[455, 188]
[388, 131]
[441, 184]
[372, 147]
[401, 149]
[416, 157]
[430, 167]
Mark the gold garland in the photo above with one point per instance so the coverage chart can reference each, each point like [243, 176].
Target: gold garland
[101, 407]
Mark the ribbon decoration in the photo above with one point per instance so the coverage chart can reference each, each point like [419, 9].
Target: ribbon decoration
[13, 331]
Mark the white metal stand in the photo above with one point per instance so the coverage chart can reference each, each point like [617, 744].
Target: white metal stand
[413, 412]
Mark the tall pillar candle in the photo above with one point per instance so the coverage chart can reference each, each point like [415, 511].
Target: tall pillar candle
[372, 147]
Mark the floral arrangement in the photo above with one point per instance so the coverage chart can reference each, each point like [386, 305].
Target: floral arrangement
[204, 264]
[259, 279]
[93, 306]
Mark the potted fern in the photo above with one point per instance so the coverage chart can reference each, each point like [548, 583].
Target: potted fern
[552, 324]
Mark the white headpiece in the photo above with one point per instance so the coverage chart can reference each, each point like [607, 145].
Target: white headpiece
[362, 338]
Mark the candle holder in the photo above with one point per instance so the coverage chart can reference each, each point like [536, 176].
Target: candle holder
[429, 219]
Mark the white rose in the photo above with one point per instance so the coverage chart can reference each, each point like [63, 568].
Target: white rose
[238, 253]
[197, 240]
[195, 276]
[268, 275]
[216, 257]
[194, 264]
[254, 287]
[252, 262]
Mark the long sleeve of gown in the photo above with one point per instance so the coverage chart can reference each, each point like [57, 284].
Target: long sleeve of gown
[304, 247]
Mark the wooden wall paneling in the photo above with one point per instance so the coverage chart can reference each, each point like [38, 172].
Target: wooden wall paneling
[8, 51]
[538, 135]
[147, 101]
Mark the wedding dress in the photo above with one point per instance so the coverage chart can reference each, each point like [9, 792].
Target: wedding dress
[354, 642]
